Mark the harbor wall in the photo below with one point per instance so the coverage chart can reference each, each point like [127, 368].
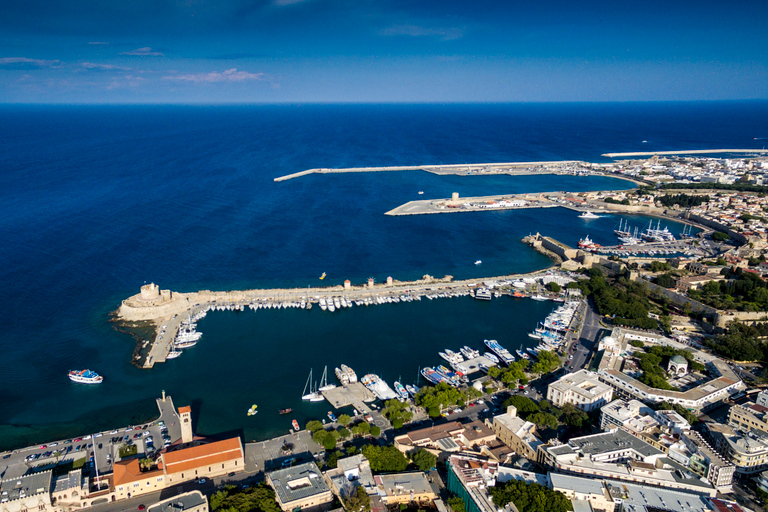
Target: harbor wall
[677, 298]
[716, 225]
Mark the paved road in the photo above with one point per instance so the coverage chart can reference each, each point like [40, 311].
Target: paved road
[100, 447]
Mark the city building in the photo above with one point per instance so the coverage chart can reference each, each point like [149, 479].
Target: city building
[299, 487]
[583, 389]
[709, 392]
[469, 478]
[400, 488]
[27, 493]
[747, 450]
[706, 462]
[582, 489]
[748, 416]
[448, 438]
[621, 413]
[182, 465]
[516, 433]
[192, 501]
[350, 473]
[620, 455]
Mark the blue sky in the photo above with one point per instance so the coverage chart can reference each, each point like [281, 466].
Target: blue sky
[254, 51]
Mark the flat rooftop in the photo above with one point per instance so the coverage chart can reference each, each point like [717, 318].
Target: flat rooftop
[611, 442]
[185, 501]
[298, 482]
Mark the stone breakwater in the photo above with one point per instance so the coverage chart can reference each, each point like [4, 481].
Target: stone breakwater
[166, 309]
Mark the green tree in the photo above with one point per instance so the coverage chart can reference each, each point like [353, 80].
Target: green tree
[543, 420]
[344, 419]
[574, 417]
[314, 426]
[375, 430]
[553, 287]
[424, 459]
[637, 343]
[718, 236]
[456, 504]
[529, 497]
[523, 404]
[257, 498]
[385, 459]
[361, 429]
[359, 501]
[343, 432]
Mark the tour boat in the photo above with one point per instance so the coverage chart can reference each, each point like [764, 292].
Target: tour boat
[85, 377]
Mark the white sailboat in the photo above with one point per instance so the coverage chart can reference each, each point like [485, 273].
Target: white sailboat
[324, 386]
[313, 395]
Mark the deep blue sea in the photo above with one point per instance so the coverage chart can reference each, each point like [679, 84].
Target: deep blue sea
[97, 201]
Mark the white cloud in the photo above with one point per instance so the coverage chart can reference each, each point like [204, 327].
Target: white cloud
[230, 75]
[102, 67]
[444, 33]
[144, 52]
[24, 62]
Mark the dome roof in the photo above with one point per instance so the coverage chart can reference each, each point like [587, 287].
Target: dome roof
[678, 360]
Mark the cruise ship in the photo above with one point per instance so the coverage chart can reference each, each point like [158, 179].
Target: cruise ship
[500, 351]
[85, 377]
[378, 387]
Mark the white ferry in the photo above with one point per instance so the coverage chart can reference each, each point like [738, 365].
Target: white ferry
[85, 377]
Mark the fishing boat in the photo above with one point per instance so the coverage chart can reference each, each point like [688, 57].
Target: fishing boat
[588, 244]
[85, 377]
[331, 416]
[285, 411]
[313, 395]
[253, 410]
[295, 425]
[412, 390]
[401, 391]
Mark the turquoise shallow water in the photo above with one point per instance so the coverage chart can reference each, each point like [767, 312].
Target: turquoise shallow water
[94, 202]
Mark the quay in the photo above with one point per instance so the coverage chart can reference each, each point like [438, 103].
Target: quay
[481, 203]
[354, 394]
[690, 152]
[166, 310]
[559, 166]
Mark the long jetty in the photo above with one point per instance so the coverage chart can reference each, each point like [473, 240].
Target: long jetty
[166, 310]
[689, 152]
[509, 167]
